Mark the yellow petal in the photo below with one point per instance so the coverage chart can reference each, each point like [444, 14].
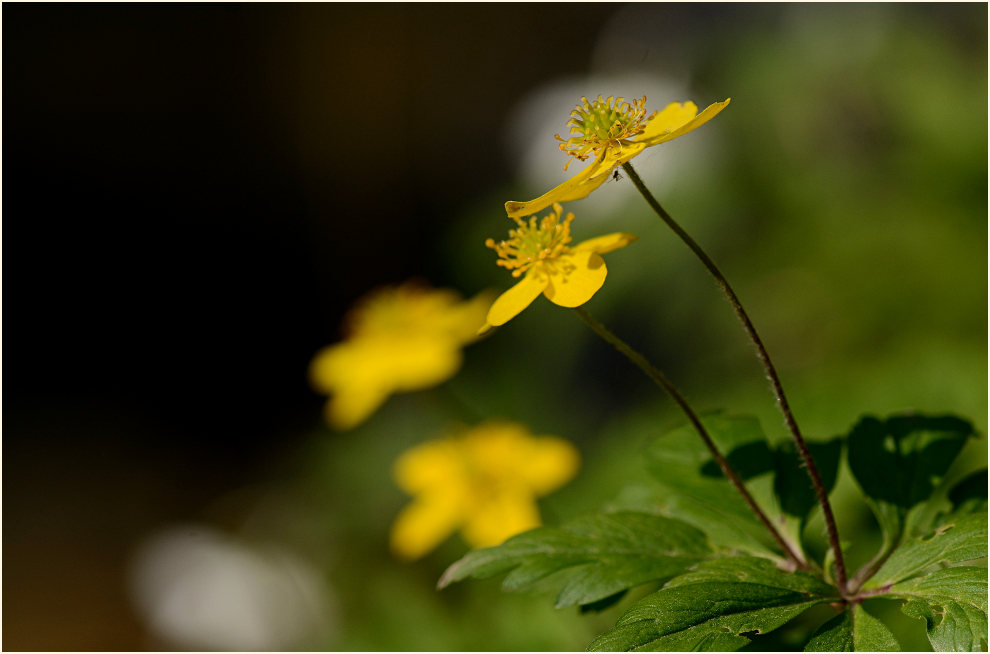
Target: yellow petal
[352, 406]
[549, 463]
[361, 373]
[424, 524]
[509, 304]
[507, 451]
[677, 120]
[329, 367]
[577, 187]
[496, 448]
[416, 363]
[673, 116]
[575, 278]
[356, 390]
[509, 512]
[607, 243]
[435, 465]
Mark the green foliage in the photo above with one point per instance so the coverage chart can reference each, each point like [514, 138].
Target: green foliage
[900, 461]
[692, 488]
[854, 630]
[724, 580]
[953, 603]
[958, 540]
[599, 556]
[709, 608]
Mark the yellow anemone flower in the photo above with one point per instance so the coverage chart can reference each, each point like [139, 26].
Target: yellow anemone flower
[483, 482]
[567, 276]
[613, 132]
[399, 339]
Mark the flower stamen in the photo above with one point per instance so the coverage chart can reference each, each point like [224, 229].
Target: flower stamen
[533, 242]
[601, 124]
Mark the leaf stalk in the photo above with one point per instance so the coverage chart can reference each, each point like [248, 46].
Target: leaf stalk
[771, 372]
[661, 380]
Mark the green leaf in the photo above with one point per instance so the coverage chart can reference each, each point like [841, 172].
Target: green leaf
[711, 607]
[960, 539]
[598, 555]
[953, 603]
[900, 461]
[854, 630]
[694, 489]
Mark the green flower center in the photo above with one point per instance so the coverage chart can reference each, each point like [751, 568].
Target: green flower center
[601, 124]
[533, 242]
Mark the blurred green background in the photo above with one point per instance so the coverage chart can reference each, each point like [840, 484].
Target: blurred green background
[197, 193]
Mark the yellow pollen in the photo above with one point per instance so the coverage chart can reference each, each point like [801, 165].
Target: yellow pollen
[531, 243]
[602, 124]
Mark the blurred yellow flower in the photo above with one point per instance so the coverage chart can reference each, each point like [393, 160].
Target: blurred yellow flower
[567, 276]
[613, 132]
[398, 339]
[483, 481]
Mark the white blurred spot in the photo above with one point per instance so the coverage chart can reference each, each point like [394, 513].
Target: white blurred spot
[199, 589]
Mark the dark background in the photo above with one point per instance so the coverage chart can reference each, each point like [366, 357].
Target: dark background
[189, 188]
[195, 193]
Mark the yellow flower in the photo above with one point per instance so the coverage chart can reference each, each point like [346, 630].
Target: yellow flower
[613, 132]
[399, 339]
[567, 276]
[484, 482]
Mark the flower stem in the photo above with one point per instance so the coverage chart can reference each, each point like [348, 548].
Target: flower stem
[764, 357]
[661, 380]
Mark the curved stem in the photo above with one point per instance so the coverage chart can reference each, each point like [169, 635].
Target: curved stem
[764, 357]
[661, 380]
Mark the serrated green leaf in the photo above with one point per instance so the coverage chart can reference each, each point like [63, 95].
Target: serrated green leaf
[711, 607]
[598, 556]
[707, 616]
[694, 489]
[836, 635]
[953, 603]
[752, 569]
[900, 461]
[854, 630]
[960, 539]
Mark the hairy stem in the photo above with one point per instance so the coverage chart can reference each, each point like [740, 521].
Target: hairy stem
[661, 380]
[764, 357]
